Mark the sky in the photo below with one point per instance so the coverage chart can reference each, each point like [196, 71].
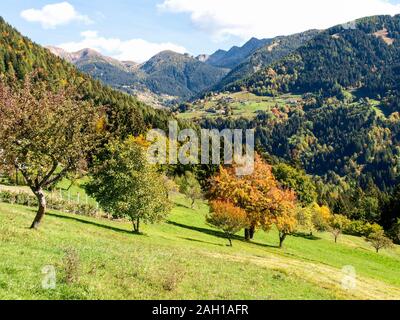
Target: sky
[138, 29]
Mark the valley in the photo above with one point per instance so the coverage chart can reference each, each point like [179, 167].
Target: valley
[317, 218]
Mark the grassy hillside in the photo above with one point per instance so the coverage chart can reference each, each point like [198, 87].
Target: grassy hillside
[182, 258]
[239, 105]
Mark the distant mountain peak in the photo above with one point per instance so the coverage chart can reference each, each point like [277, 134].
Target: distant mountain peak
[85, 56]
[203, 57]
[235, 55]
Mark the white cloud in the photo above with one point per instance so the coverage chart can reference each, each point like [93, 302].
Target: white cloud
[53, 15]
[269, 18]
[137, 50]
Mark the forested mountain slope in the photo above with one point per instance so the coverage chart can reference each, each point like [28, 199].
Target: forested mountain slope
[343, 123]
[179, 75]
[272, 51]
[364, 56]
[20, 56]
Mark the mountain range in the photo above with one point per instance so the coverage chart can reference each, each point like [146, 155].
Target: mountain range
[170, 77]
[168, 74]
[236, 55]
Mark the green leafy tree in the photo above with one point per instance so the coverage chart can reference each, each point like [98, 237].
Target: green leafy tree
[298, 181]
[379, 241]
[190, 187]
[395, 231]
[45, 135]
[337, 225]
[126, 185]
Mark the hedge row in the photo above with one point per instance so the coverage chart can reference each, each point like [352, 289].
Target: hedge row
[25, 199]
[361, 229]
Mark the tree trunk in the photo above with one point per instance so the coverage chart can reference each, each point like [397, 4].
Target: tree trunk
[282, 238]
[136, 226]
[247, 234]
[42, 209]
[252, 232]
[193, 202]
[230, 242]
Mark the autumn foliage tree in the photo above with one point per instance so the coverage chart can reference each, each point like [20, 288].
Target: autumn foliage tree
[259, 195]
[321, 215]
[227, 217]
[44, 134]
[313, 218]
[283, 213]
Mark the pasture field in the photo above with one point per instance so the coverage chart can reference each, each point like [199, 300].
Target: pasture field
[182, 258]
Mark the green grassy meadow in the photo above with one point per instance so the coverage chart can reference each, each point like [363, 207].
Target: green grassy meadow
[182, 258]
[243, 105]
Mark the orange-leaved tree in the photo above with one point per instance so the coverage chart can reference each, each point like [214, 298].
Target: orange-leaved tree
[258, 194]
[283, 213]
[227, 217]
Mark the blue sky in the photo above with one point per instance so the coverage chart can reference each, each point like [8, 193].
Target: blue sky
[137, 29]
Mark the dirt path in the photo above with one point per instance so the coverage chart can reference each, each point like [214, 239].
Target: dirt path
[321, 275]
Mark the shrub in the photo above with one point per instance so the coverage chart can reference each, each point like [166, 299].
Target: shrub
[173, 278]
[70, 265]
[361, 229]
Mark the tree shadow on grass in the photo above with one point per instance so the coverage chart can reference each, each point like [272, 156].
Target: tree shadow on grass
[218, 234]
[184, 206]
[305, 236]
[99, 225]
[201, 241]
